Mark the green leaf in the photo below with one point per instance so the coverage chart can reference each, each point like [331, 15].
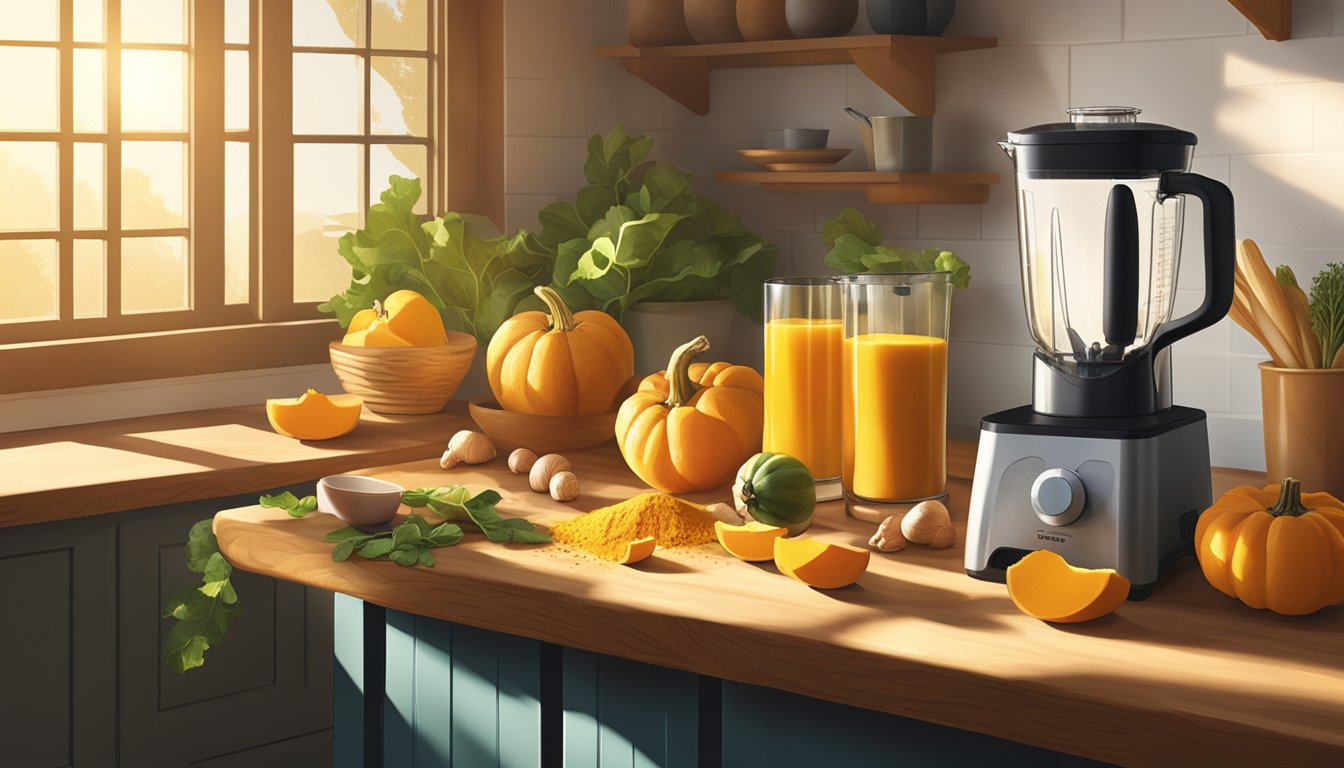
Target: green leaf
[426, 558]
[348, 532]
[343, 550]
[851, 221]
[216, 569]
[201, 545]
[406, 534]
[405, 557]
[293, 505]
[376, 548]
[531, 537]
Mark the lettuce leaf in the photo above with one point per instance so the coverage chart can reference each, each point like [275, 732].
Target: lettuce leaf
[472, 274]
[637, 232]
[855, 243]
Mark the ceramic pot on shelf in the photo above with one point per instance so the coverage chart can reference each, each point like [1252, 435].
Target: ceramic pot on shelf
[712, 21]
[657, 328]
[821, 18]
[657, 22]
[763, 20]
[910, 17]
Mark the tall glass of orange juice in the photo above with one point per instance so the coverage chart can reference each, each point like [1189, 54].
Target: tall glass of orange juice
[803, 335]
[894, 382]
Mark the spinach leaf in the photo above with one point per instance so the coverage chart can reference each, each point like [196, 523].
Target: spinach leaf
[287, 501]
[203, 613]
[855, 243]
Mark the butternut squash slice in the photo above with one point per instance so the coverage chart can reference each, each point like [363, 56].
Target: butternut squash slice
[819, 564]
[753, 542]
[314, 416]
[1044, 586]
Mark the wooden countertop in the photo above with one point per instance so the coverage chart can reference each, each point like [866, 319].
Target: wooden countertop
[113, 466]
[1187, 677]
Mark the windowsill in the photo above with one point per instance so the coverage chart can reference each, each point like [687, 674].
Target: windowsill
[94, 469]
[70, 363]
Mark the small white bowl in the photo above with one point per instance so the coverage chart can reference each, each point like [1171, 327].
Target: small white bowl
[358, 500]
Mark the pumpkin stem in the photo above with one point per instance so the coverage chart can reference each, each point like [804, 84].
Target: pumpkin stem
[378, 309]
[680, 388]
[562, 319]
[1290, 500]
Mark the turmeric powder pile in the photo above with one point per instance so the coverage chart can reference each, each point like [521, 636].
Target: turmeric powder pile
[605, 532]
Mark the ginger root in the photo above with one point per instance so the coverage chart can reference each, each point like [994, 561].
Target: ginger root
[888, 537]
[929, 523]
[467, 447]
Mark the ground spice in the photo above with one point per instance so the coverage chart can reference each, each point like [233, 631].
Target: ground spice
[605, 532]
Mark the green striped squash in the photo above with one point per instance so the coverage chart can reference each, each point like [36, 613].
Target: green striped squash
[776, 489]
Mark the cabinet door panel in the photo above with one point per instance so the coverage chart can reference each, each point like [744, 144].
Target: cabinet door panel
[57, 698]
[268, 681]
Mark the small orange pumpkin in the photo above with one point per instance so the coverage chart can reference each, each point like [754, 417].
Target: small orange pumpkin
[1274, 548]
[690, 427]
[561, 364]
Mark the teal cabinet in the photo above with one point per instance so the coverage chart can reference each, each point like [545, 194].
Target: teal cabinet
[416, 692]
[81, 680]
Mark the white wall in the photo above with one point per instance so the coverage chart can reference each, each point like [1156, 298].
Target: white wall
[1270, 118]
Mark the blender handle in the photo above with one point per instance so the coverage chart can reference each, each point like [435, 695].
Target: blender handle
[1219, 254]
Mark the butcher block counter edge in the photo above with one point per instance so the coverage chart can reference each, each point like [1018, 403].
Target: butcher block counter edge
[1185, 677]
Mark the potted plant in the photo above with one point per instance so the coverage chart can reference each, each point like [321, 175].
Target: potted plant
[638, 244]
[471, 273]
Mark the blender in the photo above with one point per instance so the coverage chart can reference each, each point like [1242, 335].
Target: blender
[1101, 467]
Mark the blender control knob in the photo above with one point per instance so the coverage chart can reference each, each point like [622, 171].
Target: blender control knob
[1058, 496]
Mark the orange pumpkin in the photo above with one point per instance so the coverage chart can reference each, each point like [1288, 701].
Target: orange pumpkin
[561, 364]
[690, 427]
[1274, 548]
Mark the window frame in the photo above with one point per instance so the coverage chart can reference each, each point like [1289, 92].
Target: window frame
[466, 128]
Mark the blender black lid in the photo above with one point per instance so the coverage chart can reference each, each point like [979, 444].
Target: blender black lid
[1100, 141]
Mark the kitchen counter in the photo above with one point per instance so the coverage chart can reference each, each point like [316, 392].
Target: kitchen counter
[1188, 676]
[114, 466]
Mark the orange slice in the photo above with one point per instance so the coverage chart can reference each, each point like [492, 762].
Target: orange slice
[819, 564]
[1044, 586]
[637, 550]
[753, 542]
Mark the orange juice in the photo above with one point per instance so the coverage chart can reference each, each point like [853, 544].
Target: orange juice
[802, 392]
[895, 416]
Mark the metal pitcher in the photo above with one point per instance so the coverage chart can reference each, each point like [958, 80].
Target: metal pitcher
[896, 143]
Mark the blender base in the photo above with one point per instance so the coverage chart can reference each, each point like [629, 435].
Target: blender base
[1144, 482]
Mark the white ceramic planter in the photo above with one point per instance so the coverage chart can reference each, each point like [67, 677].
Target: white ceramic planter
[657, 328]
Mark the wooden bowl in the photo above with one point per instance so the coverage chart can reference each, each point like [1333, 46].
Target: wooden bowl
[404, 379]
[545, 434]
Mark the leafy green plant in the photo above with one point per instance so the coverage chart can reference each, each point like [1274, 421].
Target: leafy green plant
[455, 503]
[203, 612]
[855, 243]
[471, 273]
[292, 504]
[636, 232]
[1327, 311]
[408, 544]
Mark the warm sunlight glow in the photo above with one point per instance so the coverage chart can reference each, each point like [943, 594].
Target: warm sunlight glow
[30, 101]
[153, 91]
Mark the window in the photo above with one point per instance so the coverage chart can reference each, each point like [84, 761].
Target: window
[175, 166]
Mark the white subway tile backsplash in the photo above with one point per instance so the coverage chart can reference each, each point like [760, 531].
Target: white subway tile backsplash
[546, 40]
[1236, 441]
[1292, 200]
[765, 98]
[1244, 384]
[896, 221]
[544, 165]
[1252, 60]
[949, 221]
[1313, 18]
[1165, 19]
[989, 314]
[521, 211]
[1327, 116]
[574, 108]
[1199, 380]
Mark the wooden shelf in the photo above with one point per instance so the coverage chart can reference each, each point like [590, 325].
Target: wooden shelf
[902, 65]
[895, 188]
[1274, 18]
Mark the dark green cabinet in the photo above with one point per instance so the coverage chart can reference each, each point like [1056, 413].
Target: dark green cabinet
[81, 681]
[416, 692]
